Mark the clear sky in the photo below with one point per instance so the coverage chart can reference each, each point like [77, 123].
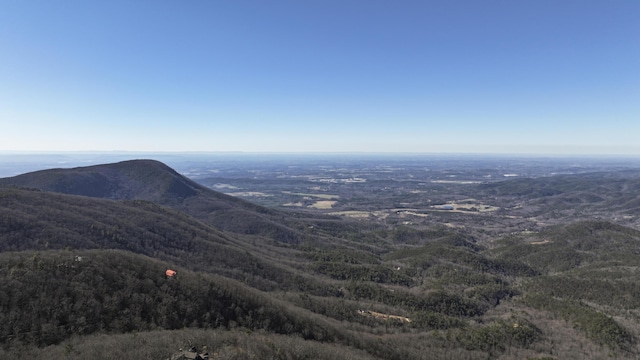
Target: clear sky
[539, 76]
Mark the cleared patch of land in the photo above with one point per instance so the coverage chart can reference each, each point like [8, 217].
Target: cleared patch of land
[319, 196]
[323, 204]
[467, 206]
[479, 207]
[413, 213]
[546, 241]
[299, 204]
[224, 186]
[248, 193]
[382, 316]
[354, 214]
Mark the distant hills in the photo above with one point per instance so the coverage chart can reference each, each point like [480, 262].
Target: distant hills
[619, 191]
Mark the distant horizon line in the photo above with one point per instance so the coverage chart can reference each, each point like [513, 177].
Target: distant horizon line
[316, 153]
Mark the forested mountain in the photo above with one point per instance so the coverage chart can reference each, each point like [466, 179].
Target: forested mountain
[136, 179]
[81, 270]
[36, 220]
[111, 291]
[154, 181]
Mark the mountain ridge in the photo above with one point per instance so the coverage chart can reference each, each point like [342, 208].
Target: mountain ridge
[154, 181]
[126, 180]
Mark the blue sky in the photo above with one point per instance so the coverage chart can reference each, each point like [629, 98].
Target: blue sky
[540, 76]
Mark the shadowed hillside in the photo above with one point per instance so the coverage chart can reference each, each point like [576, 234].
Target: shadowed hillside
[136, 179]
[35, 220]
[153, 181]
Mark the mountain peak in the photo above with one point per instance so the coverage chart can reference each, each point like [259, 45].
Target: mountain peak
[133, 179]
[154, 181]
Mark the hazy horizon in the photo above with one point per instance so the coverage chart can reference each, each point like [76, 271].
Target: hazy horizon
[533, 78]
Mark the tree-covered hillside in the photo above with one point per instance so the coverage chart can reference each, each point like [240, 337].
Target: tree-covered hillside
[153, 181]
[78, 271]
